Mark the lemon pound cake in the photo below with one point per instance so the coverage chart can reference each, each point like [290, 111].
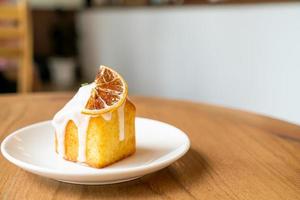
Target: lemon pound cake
[97, 126]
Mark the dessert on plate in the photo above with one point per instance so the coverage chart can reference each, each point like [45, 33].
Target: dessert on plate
[97, 126]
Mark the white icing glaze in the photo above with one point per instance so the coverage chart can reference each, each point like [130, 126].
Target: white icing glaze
[107, 116]
[121, 121]
[82, 126]
[72, 111]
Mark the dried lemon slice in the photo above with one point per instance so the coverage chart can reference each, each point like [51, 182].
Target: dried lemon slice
[109, 93]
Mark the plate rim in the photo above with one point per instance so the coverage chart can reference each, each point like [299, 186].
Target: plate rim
[153, 166]
[109, 182]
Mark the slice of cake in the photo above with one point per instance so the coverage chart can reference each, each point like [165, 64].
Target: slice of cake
[96, 126]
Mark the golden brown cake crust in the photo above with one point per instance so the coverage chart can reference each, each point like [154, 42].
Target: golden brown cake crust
[103, 146]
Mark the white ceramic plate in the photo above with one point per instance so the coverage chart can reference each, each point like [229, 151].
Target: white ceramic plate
[158, 145]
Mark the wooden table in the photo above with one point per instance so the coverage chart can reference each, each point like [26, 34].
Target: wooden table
[234, 155]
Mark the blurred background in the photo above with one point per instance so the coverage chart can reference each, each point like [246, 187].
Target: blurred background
[237, 53]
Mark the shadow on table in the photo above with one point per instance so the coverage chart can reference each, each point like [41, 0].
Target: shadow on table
[181, 175]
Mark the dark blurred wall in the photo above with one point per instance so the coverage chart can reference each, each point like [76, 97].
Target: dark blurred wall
[54, 35]
[45, 24]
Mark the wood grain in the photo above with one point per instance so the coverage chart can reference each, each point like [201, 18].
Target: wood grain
[234, 154]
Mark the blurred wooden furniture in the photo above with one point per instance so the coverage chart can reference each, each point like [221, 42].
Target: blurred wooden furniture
[234, 154]
[20, 29]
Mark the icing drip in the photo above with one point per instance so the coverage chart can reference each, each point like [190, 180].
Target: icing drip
[106, 116]
[72, 111]
[82, 127]
[121, 121]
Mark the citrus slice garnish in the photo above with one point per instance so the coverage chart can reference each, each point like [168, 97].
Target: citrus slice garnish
[109, 93]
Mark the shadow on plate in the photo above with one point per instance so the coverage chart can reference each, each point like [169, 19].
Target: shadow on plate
[181, 175]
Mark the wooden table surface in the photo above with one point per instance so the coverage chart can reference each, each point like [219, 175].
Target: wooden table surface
[234, 155]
